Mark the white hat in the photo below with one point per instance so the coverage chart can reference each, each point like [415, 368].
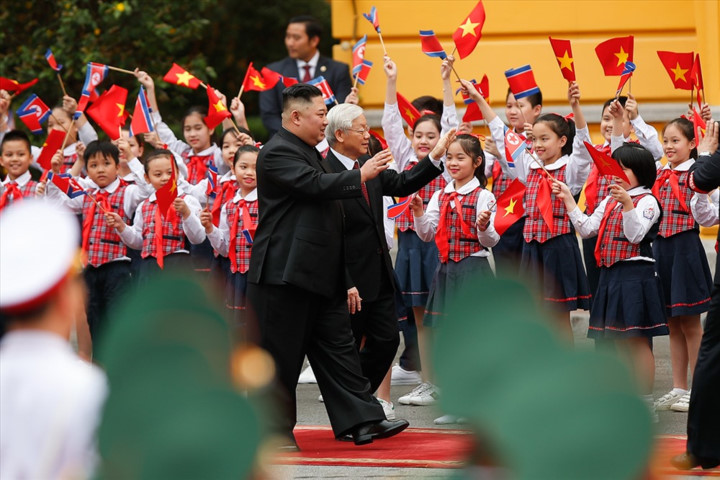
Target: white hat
[39, 243]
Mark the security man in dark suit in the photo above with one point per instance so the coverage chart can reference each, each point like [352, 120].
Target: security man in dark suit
[303, 62]
[296, 280]
[370, 282]
[703, 429]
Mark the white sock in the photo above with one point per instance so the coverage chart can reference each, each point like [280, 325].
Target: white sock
[681, 391]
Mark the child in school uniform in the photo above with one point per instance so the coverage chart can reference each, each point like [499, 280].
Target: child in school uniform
[108, 269]
[163, 239]
[15, 158]
[416, 260]
[551, 253]
[233, 238]
[459, 218]
[680, 257]
[628, 307]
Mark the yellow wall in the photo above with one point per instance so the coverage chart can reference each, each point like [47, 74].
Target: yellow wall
[515, 33]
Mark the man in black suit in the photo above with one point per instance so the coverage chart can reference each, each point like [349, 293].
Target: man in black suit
[296, 280]
[303, 62]
[703, 445]
[370, 282]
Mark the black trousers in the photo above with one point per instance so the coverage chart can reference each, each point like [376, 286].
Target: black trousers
[292, 323]
[377, 323]
[104, 284]
[704, 416]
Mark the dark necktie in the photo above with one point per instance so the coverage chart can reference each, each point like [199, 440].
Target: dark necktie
[362, 184]
[306, 77]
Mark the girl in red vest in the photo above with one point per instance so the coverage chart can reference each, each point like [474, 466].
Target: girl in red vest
[680, 257]
[628, 307]
[460, 219]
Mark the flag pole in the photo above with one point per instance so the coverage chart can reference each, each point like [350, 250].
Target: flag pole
[110, 67]
[382, 43]
[537, 160]
[62, 85]
[67, 135]
[57, 121]
[242, 88]
[356, 80]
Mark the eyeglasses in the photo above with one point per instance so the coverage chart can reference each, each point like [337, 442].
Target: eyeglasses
[361, 131]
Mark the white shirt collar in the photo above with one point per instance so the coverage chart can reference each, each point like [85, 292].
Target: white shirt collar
[313, 65]
[207, 152]
[465, 189]
[640, 190]
[70, 150]
[347, 162]
[229, 176]
[21, 180]
[560, 162]
[112, 187]
[683, 167]
[250, 197]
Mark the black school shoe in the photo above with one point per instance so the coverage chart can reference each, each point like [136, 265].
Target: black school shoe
[368, 432]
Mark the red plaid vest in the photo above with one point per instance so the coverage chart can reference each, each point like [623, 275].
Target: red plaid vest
[406, 221]
[459, 245]
[173, 235]
[242, 247]
[68, 162]
[197, 166]
[8, 196]
[500, 181]
[104, 243]
[677, 217]
[535, 226]
[614, 247]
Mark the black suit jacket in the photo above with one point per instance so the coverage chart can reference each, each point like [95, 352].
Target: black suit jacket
[367, 256]
[336, 73]
[705, 177]
[299, 238]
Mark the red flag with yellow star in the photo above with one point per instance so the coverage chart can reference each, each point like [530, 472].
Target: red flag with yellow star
[564, 57]
[217, 111]
[10, 85]
[407, 111]
[255, 81]
[605, 164]
[679, 67]
[52, 144]
[614, 53]
[179, 76]
[509, 206]
[108, 111]
[467, 35]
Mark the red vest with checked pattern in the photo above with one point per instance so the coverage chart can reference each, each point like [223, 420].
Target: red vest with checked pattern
[27, 190]
[172, 232]
[459, 245]
[535, 226]
[406, 221]
[104, 243]
[68, 162]
[500, 181]
[614, 247]
[676, 219]
[197, 166]
[242, 247]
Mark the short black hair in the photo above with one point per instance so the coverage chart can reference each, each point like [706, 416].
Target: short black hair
[15, 135]
[153, 154]
[535, 99]
[244, 149]
[428, 102]
[638, 159]
[622, 99]
[301, 91]
[313, 27]
[104, 148]
[228, 131]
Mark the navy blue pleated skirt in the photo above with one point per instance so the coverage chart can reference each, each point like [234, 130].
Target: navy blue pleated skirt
[682, 265]
[629, 302]
[415, 266]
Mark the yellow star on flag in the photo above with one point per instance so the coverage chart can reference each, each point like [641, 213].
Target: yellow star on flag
[184, 78]
[622, 56]
[258, 83]
[121, 108]
[219, 107]
[468, 28]
[566, 61]
[510, 209]
[679, 72]
[174, 186]
[409, 114]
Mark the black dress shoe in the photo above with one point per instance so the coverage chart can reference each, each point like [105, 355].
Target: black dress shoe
[688, 461]
[365, 434]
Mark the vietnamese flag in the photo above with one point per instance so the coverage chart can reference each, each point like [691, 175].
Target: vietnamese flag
[564, 57]
[509, 206]
[473, 113]
[217, 111]
[380, 138]
[108, 111]
[10, 85]
[699, 125]
[696, 77]
[254, 81]
[273, 78]
[614, 53]
[467, 35]
[179, 76]
[679, 67]
[605, 164]
[407, 111]
[52, 144]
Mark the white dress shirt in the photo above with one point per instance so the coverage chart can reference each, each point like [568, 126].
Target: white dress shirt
[220, 235]
[646, 134]
[313, 66]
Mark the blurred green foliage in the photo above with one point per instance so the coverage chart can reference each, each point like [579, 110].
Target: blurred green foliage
[214, 40]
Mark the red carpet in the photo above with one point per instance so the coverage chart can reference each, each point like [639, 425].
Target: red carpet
[435, 448]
